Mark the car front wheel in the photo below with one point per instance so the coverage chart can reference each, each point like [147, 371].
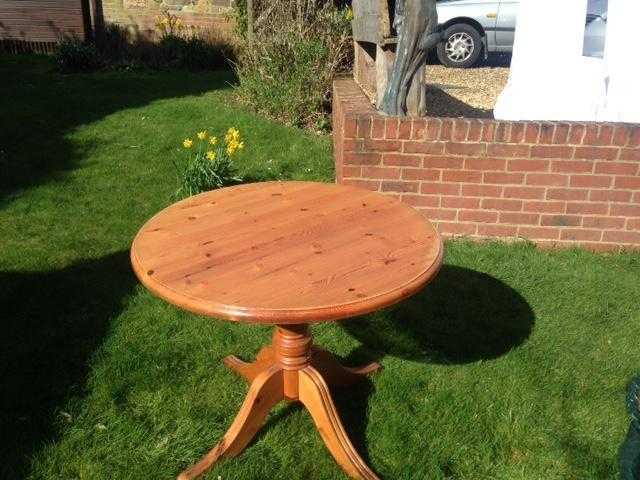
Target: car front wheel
[461, 46]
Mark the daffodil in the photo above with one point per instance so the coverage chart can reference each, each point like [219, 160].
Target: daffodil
[233, 135]
[213, 140]
[202, 135]
[348, 14]
[188, 143]
[211, 155]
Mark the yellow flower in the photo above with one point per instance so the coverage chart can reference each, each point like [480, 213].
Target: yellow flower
[348, 14]
[213, 140]
[202, 135]
[211, 155]
[179, 23]
[188, 143]
[233, 135]
[165, 21]
[240, 145]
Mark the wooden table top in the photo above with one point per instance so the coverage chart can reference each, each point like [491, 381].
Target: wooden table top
[286, 252]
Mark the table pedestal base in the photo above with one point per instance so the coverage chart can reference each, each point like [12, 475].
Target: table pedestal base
[292, 369]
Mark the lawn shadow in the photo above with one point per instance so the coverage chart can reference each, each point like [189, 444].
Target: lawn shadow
[41, 107]
[52, 323]
[461, 317]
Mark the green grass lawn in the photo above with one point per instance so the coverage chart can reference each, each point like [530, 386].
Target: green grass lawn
[513, 364]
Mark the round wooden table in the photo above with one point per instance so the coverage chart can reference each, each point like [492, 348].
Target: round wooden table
[287, 254]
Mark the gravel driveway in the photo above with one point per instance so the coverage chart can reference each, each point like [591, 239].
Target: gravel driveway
[454, 92]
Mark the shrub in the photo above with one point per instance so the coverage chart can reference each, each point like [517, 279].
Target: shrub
[286, 70]
[74, 55]
[209, 164]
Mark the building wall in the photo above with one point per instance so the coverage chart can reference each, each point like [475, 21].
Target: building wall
[555, 183]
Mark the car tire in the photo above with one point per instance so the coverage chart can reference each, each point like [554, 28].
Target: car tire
[461, 46]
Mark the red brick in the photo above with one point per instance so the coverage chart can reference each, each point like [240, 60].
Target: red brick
[460, 130]
[502, 132]
[535, 233]
[632, 210]
[566, 194]
[551, 151]
[475, 131]
[488, 131]
[472, 149]
[397, 160]
[495, 164]
[528, 165]
[517, 132]
[420, 174]
[590, 134]
[605, 135]
[438, 213]
[621, 136]
[382, 145]
[440, 188]
[627, 182]
[630, 154]
[460, 202]
[457, 228]
[576, 134]
[502, 204]
[580, 234]
[633, 224]
[353, 145]
[428, 148]
[597, 153]
[603, 222]
[368, 184]
[503, 178]
[481, 190]
[609, 196]
[463, 176]
[477, 216]
[600, 247]
[391, 128]
[422, 200]
[351, 172]
[617, 168]
[590, 181]
[621, 237]
[418, 129]
[381, 173]
[636, 197]
[350, 158]
[547, 179]
[433, 129]
[433, 161]
[404, 129]
[544, 207]
[497, 231]
[531, 132]
[634, 136]
[405, 187]
[520, 218]
[350, 128]
[377, 128]
[561, 134]
[571, 166]
[561, 220]
[588, 208]
[364, 126]
[508, 151]
[536, 193]
[547, 130]
[446, 130]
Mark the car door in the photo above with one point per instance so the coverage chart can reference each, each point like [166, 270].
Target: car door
[506, 24]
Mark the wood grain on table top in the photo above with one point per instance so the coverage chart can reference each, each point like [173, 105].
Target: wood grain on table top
[286, 252]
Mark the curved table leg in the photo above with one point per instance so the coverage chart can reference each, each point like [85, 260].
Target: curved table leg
[250, 370]
[314, 395]
[335, 374]
[265, 392]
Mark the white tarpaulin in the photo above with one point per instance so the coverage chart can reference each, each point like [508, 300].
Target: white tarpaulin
[556, 69]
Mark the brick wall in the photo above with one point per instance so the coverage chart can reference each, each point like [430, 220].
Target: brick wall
[557, 183]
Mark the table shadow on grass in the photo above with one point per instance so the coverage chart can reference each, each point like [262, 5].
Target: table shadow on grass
[462, 316]
[52, 324]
